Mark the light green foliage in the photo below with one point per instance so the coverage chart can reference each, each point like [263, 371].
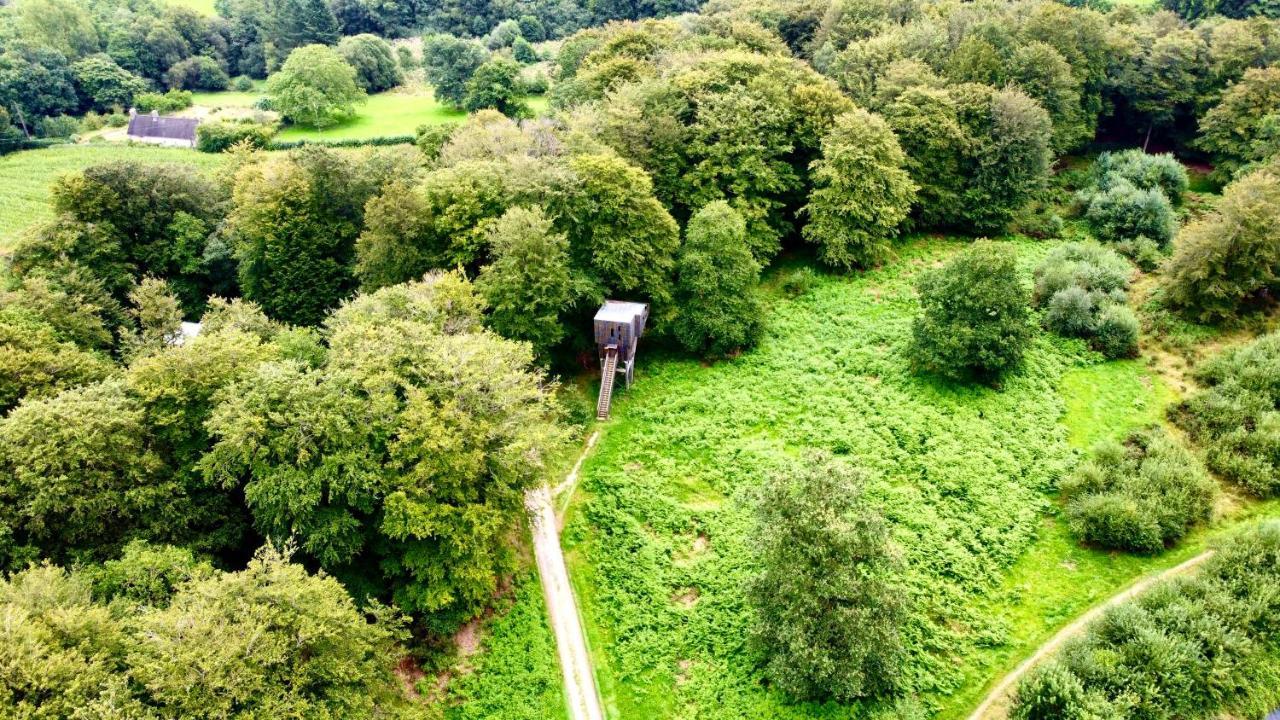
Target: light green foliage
[158, 316]
[270, 640]
[1236, 130]
[1122, 211]
[720, 309]
[661, 543]
[516, 676]
[37, 361]
[145, 575]
[1196, 647]
[973, 321]
[828, 613]
[78, 475]
[1160, 172]
[1228, 261]
[496, 85]
[376, 67]
[1235, 418]
[528, 283]
[411, 447]
[315, 87]
[861, 194]
[75, 306]
[1082, 286]
[1143, 495]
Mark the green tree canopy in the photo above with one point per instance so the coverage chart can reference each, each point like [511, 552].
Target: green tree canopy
[829, 616]
[315, 87]
[717, 279]
[861, 194]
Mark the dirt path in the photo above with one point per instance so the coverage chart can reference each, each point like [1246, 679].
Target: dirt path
[580, 691]
[995, 705]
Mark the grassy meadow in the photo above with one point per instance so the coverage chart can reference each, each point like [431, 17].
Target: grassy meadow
[204, 6]
[659, 538]
[25, 177]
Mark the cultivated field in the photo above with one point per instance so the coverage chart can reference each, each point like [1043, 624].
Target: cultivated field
[25, 177]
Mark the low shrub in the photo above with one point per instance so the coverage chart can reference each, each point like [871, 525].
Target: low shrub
[1194, 648]
[58, 126]
[171, 101]
[1142, 495]
[380, 141]
[1146, 172]
[117, 120]
[1082, 286]
[1143, 251]
[242, 83]
[197, 73]
[216, 137]
[1235, 416]
[1123, 211]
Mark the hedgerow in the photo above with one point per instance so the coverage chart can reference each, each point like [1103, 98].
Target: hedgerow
[663, 539]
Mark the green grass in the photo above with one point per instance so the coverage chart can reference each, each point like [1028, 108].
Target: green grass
[204, 6]
[396, 112]
[965, 475]
[25, 177]
[1105, 400]
[516, 675]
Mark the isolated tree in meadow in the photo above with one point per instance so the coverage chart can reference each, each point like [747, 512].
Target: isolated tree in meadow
[497, 85]
[717, 284]
[861, 193]
[315, 87]
[974, 320]
[375, 64]
[1229, 259]
[528, 284]
[450, 62]
[828, 615]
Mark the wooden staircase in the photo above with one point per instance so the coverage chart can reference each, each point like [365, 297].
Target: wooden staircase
[607, 374]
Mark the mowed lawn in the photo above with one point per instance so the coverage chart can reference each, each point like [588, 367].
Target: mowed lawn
[25, 177]
[395, 112]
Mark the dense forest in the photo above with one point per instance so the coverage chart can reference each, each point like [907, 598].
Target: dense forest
[292, 511]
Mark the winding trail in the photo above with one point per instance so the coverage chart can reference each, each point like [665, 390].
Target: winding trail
[995, 705]
[581, 694]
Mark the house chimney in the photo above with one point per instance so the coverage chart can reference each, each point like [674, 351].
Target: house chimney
[155, 113]
[133, 112]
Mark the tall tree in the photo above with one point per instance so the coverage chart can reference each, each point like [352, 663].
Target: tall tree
[717, 278]
[829, 616]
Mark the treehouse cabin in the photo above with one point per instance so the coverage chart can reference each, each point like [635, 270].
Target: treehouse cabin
[618, 327]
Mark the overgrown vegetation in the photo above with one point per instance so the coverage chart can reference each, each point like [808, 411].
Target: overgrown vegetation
[1081, 287]
[1142, 495]
[1192, 647]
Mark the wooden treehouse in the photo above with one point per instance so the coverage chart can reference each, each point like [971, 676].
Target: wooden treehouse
[618, 327]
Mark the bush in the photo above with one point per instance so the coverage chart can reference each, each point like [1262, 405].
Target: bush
[1235, 416]
[315, 87]
[1082, 285]
[1193, 647]
[1145, 172]
[375, 65]
[1143, 495]
[380, 141]
[1143, 251]
[117, 120]
[242, 83]
[171, 101]
[1228, 262]
[216, 137]
[974, 319]
[197, 73]
[1115, 334]
[58, 126]
[1123, 211]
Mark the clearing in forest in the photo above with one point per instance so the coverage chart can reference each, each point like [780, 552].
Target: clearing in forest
[659, 540]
